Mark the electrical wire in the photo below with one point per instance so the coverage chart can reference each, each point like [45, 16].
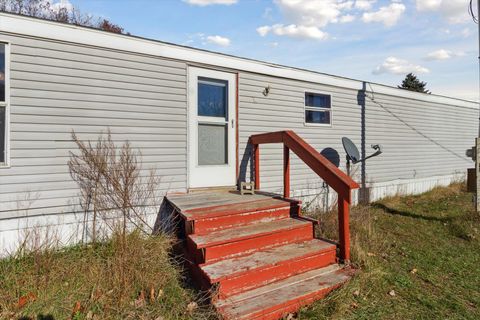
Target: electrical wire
[371, 97]
[472, 13]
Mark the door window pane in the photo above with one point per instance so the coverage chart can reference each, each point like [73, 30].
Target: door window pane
[212, 144]
[212, 97]
[2, 134]
[2, 72]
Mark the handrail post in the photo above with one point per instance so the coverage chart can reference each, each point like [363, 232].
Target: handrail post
[286, 172]
[344, 229]
[256, 158]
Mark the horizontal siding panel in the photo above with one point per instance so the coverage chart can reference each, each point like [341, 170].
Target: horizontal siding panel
[61, 177]
[20, 45]
[163, 86]
[92, 98]
[63, 168]
[158, 134]
[167, 107]
[99, 114]
[83, 129]
[166, 73]
[85, 50]
[35, 54]
[166, 93]
[65, 146]
[22, 153]
[173, 183]
[61, 161]
[27, 70]
[87, 120]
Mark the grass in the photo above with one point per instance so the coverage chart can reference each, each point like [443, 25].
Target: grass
[98, 282]
[418, 258]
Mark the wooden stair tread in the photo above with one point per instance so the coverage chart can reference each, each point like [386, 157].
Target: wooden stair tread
[246, 232]
[209, 199]
[264, 258]
[275, 297]
[235, 208]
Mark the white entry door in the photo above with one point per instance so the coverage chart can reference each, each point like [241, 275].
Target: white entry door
[211, 102]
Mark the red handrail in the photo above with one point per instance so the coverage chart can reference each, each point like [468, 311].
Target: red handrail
[333, 176]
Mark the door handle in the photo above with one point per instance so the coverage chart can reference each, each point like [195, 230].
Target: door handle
[233, 123]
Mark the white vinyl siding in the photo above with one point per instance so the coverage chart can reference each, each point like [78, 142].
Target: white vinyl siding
[59, 87]
[419, 139]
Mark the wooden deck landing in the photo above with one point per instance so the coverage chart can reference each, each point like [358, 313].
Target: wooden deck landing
[256, 252]
[208, 199]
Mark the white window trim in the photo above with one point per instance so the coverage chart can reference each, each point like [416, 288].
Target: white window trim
[305, 108]
[6, 104]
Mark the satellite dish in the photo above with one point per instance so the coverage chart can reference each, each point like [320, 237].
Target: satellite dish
[352, 151]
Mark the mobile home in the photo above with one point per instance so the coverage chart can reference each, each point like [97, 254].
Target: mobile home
[58, 78]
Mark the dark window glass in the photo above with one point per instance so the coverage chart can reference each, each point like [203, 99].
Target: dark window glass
[317, 100]
[2, 72]
[2, 134]
[212, 97]
[317, 116]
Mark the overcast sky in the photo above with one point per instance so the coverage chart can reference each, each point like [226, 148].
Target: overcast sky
[378, 41]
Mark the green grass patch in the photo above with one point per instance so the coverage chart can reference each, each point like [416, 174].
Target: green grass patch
[418, 258]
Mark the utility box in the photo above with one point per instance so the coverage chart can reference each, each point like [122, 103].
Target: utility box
[471, 180]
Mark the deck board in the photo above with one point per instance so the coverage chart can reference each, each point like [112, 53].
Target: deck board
[200, 200]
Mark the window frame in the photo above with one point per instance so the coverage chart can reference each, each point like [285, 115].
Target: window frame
[308, 108]
[6, 104]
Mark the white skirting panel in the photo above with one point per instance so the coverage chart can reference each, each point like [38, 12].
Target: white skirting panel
[36, 232]
[324, 198]
[382, 190]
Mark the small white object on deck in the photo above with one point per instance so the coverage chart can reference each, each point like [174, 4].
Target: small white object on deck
[247, 188]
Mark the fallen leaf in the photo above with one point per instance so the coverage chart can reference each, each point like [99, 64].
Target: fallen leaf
[354, 305]
[413, 271]
[23, 300]
[140, 301]
[160, 293]
[371, 254]
[159, 318]
[392, 293]
[76, 308]
[290, 316]
[152, 294]
[356, 293]
[192, 306]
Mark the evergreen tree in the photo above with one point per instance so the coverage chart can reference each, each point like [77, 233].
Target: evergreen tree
[412, 83]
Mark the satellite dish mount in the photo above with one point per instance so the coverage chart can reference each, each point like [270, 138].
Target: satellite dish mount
[353, 155]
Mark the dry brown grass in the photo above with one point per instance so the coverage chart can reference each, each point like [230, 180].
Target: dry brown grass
[98, 282]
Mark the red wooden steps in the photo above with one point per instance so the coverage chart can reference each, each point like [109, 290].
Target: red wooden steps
[238, 214]
[262, 260]
[279, 298]
[240, 274]
[246, 239]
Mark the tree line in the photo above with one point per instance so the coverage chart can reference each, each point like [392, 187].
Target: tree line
[60, 12]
